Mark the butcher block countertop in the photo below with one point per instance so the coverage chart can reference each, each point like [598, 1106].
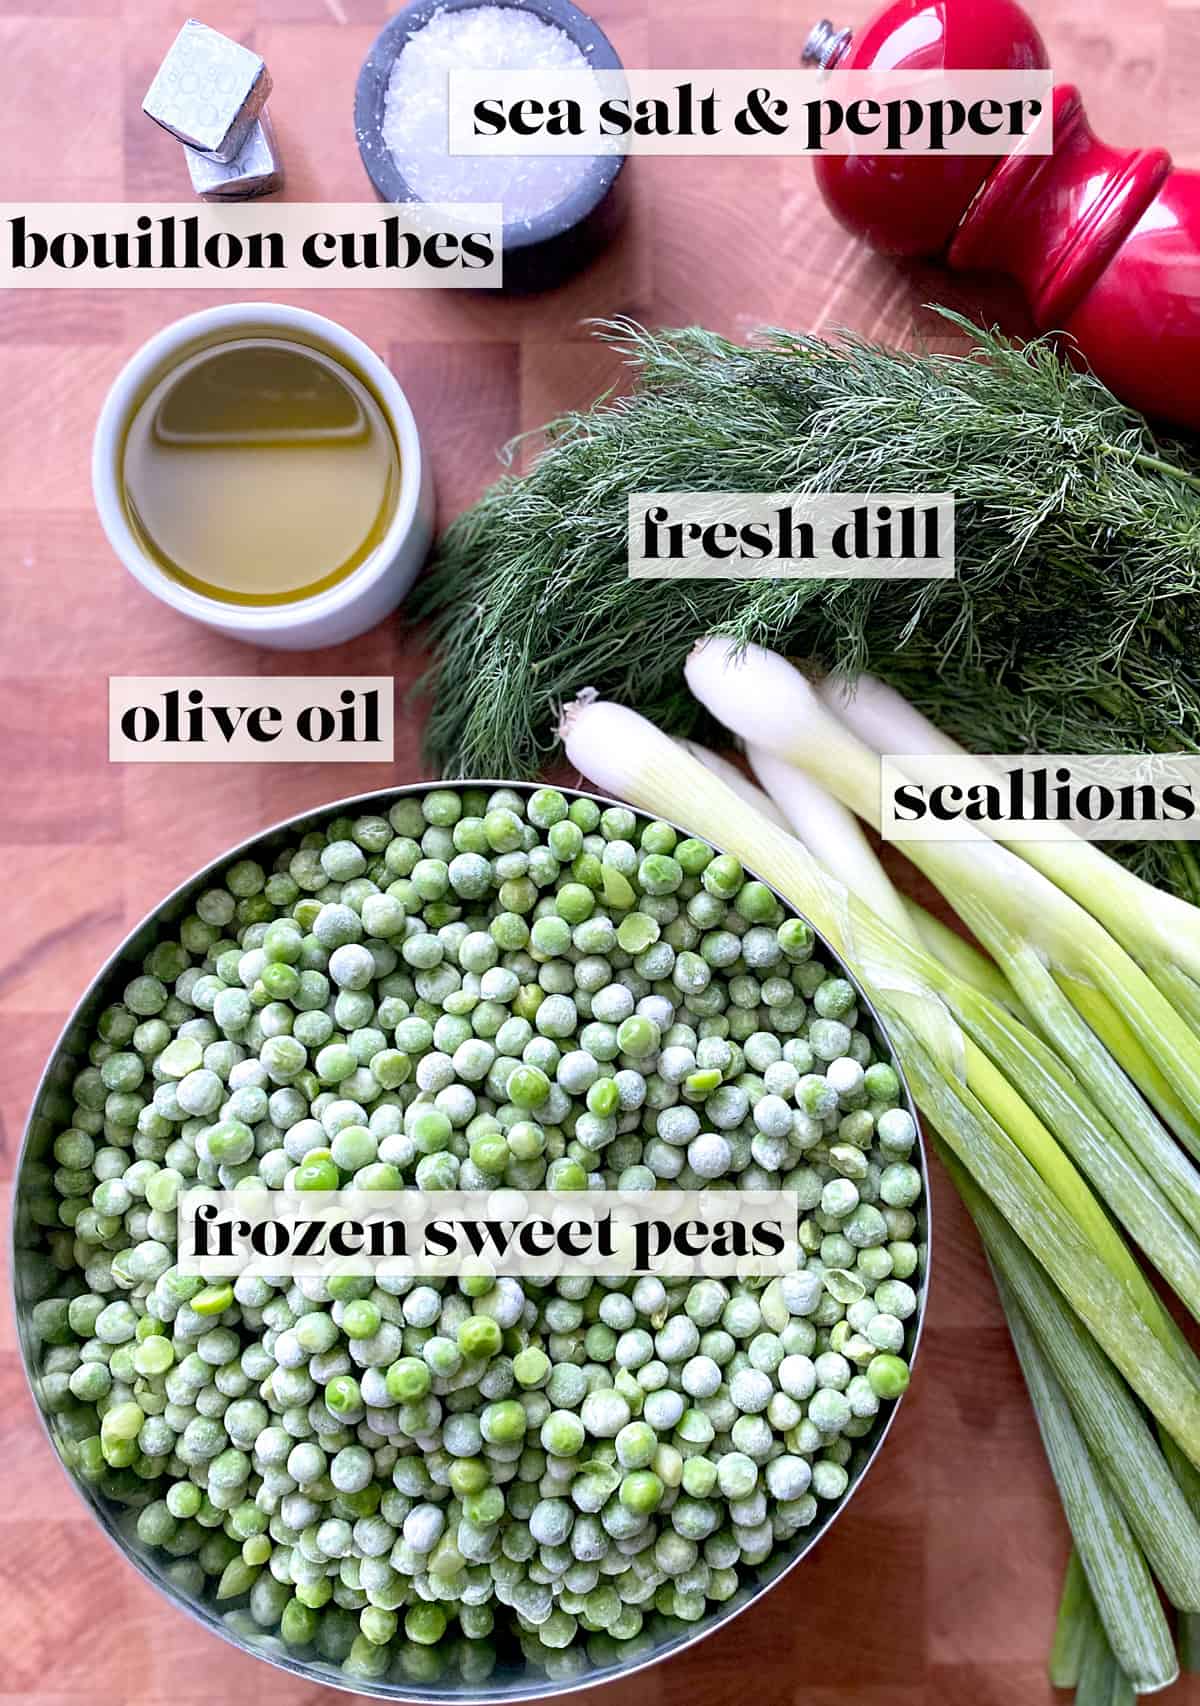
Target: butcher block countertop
[938, 1587]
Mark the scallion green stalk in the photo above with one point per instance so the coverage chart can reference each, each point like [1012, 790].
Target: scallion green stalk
[1102, 1017]
[1105, 1413]
[1159, 930]
[1189, 1643]
[1101, 1680]
[1054, 1095]
[960, 957]
[1075, 1611]
[1119, 1580]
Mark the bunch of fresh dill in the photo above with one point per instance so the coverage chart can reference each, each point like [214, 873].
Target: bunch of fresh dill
[1073, 624]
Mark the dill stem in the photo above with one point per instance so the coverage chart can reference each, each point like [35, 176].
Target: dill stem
[1191, 869]
[1143, 459]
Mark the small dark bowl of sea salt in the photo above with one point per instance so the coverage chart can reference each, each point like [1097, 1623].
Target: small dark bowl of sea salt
[559, 210]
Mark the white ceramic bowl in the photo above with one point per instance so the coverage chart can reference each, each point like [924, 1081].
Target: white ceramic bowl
[339, 613]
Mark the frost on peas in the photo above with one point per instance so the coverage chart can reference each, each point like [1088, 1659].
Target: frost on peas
[899, 1185]
[710, 1155]
[829, 1039]
[839, 1197]
[896, 1131]
[772, 1116]
[678, 1125]
[477, 989]
[200, 1092]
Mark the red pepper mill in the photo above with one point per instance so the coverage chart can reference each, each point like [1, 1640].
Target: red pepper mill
[1104, 241]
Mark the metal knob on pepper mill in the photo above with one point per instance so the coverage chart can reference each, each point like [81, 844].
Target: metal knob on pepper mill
[1104, 241]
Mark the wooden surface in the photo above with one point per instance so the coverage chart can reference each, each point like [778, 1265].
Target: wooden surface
[939, 1586]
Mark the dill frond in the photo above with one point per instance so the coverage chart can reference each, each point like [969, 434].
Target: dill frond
[1071, 625]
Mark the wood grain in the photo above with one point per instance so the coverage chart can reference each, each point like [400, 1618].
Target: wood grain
[938, 1588]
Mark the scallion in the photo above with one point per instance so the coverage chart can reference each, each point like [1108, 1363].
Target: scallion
[1118, 1578]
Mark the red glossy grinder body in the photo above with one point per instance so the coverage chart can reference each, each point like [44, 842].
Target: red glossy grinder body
[1104, 241]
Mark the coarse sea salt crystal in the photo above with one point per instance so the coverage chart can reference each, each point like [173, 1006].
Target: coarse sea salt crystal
[416, 122]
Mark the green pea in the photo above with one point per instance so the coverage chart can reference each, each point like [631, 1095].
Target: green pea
[213, 1300]
[642, 1491]
[531, 1367]
[527, 1086]
[425, 1624]
[361, 1318]
[317, 1173]
[156, 1354]
[468, 1476]
[637, 1036]
[503, 1422]
[479, 1336]
[343, 1396]
[603, 1098]
[888, 1375]
[408, 1380]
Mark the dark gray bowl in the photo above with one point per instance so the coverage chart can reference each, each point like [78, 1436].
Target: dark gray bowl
[33, 1277]
[541, 252]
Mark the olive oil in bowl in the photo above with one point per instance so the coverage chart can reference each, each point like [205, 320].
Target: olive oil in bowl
[259, 471]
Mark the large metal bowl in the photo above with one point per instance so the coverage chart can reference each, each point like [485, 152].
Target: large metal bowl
[512, 1679]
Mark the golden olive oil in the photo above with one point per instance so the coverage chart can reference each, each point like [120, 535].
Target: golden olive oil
[260, 471]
